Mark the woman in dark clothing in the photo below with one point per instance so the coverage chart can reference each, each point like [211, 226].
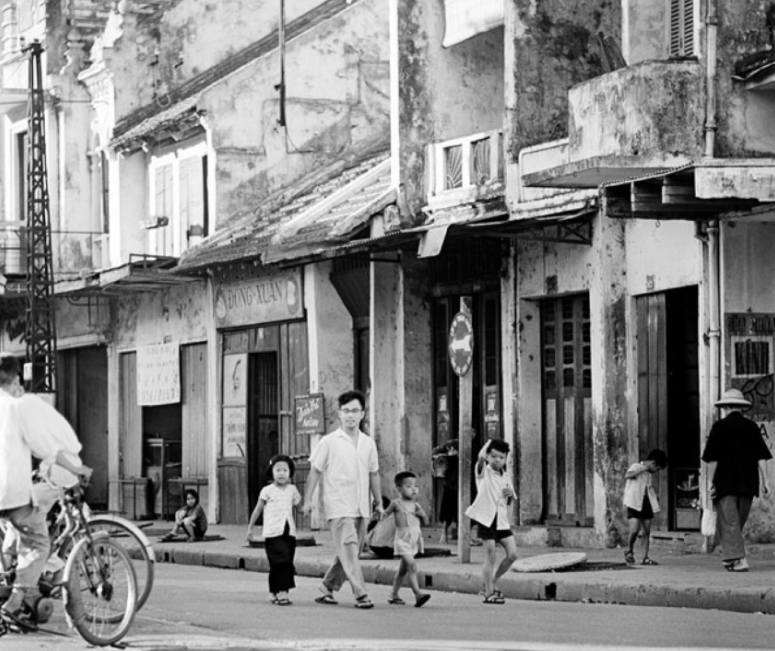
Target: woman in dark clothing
[737, 456]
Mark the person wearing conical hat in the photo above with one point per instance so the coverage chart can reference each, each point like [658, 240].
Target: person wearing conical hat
[737, 456]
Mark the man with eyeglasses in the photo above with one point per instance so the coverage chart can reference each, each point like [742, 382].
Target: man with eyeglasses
[346, 461]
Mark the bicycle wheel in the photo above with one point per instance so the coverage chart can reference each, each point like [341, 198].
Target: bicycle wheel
[100, 591]
[137, 545]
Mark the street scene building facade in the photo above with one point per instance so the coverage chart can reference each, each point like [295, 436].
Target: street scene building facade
[257, 206]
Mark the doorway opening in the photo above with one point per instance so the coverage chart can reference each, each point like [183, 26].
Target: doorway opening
[263, 439]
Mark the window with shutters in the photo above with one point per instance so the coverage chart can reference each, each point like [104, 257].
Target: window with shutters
[178, 213]
[682, 28]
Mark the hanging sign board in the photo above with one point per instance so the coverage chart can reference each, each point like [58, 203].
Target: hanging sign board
[461, 343]
[310, 416]
[158, 374]
[263, 299]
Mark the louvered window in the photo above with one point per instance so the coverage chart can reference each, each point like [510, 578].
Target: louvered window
[682, 28]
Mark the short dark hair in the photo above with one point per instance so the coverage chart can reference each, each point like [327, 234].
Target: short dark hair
[277, 458]
[193, 494]
[499, 445]
[349, 396]
[9, 368]
[402, 476]
[659, 457]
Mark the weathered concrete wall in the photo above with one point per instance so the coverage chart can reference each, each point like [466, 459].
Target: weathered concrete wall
[651, 110]
[746, 127]
[661, 255]
[147, 318]
[442, 93]
[551, 47]
[643, 30]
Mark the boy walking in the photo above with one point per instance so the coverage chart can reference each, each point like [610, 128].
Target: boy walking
[489, 511]
[640, 498]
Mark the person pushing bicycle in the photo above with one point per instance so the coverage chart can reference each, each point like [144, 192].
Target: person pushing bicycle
[22, 436]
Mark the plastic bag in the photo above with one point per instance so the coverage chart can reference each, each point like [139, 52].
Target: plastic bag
[708, 526]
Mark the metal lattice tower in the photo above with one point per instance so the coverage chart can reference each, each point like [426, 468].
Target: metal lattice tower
[40, 331]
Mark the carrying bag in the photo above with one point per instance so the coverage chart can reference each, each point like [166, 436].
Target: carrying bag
[708, 526]
[380, 537]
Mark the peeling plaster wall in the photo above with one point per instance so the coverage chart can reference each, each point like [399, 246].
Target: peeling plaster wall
[554, 48]
[335, 107]
[443, 93]
[147, 318]
[644, 30]
[746, 119]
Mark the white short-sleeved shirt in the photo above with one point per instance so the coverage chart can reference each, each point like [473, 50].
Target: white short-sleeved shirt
[29, 425]
[346, 467]
[489, 501]
[636, 488]
[278, 509]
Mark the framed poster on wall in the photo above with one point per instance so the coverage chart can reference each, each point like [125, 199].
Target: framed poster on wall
[235, 380]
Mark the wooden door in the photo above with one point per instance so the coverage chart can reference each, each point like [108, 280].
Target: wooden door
[567, 420]
[130, 439]
[263, 439]
[195, 417]
[651, 316]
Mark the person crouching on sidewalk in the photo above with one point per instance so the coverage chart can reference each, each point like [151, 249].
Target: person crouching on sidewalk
[640, 498]
[489, 512]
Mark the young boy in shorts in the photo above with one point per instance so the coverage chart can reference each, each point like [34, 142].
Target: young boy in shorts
[641, 502]
[489, 512]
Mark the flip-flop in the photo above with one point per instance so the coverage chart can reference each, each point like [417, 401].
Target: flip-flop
[326, 599]
[648, 561]
[421, 600]
[629, 558]
[363, 602]
[396, 601]
[494, 599]
[284, 601]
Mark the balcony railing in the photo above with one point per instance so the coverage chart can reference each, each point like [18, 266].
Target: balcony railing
[465, 169]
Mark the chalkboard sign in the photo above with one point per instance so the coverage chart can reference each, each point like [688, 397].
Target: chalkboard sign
[310, 415]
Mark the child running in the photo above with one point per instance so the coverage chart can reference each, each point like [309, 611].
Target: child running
[277, 501]
[640, 498]
[408, 539]
[489, 512]
[190, 521]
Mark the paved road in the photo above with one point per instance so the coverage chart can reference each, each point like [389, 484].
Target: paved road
[204, 609]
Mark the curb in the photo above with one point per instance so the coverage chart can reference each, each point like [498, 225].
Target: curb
[550, 587]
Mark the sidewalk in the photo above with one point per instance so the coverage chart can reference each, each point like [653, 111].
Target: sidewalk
[681, 580]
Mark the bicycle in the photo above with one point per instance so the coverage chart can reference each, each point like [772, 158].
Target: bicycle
[94, 576]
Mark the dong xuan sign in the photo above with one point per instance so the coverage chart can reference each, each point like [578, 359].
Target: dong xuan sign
[263, 299]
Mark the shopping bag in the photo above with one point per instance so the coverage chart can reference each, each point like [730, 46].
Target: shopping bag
[380, 537]
[708, 525]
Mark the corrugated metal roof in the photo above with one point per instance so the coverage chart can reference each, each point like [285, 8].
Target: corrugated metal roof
[250, 233]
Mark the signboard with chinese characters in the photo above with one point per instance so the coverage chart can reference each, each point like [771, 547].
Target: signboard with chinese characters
[262, 299]
[310, 416]
[749, 341]
[158, 374]
[461, 343]
[234, 429]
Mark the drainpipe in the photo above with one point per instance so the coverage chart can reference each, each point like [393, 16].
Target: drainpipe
[711, 54]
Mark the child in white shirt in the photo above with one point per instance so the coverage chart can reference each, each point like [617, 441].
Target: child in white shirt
[277, 501]
[640, 498]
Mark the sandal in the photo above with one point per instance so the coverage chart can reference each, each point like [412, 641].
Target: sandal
[363, 602]
[629, 558]
[284, 601]
[648, 561]
[396, 601]
[493, 598]
[422, 600]
[326, 599]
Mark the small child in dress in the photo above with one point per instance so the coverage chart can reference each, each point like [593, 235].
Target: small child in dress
[489, 512]
[640, 498]
[408, 541]
[277, 501]
[190, 521]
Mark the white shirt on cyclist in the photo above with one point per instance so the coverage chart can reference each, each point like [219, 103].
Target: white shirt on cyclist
[29, 425]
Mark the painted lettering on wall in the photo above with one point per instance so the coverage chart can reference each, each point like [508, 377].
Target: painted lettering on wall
[260, 300]
[158, 374]
[749, 345]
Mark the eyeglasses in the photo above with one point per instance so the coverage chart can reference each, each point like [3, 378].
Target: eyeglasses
[347, 412]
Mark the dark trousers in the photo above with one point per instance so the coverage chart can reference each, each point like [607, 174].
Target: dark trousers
[731, 513]
[281, 550]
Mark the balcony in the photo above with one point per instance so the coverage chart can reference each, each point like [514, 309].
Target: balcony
[465, 170]
[630, 122]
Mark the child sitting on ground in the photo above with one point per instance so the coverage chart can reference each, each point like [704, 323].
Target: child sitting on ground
[489, 512]
[641, 502]
[190, 521]
[408, 540]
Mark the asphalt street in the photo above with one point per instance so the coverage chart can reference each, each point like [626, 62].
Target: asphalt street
[204, 609]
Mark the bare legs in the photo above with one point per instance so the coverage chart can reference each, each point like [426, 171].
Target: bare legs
[407, 568]
[635, 526]
[490, 573]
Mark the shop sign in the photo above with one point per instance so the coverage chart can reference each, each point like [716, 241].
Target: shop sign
[310, 414]
[750, 349]
[461, 343]
[234, 428]
[263, 299]
[158, 374]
